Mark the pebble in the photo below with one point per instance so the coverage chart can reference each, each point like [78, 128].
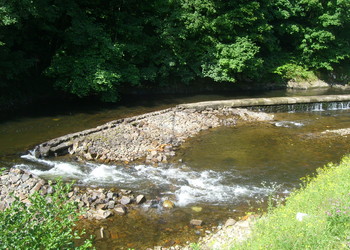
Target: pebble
[125, 200]
[140, 199]
[121, 210]
[195, 222]
[168, 204]
[230, 222]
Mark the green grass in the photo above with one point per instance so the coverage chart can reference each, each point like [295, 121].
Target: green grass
[326, 201]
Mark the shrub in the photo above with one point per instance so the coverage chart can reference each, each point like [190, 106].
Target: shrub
[45, 224]
[295, 72]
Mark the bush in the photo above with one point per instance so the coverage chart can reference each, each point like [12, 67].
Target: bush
[45, 224]
[295, 72]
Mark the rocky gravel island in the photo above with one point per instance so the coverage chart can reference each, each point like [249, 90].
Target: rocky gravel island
[152, 137]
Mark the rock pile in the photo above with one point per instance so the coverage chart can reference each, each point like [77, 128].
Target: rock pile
[152, 137]
[100, 203]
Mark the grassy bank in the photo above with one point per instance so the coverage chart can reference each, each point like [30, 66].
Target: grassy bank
[317, 216]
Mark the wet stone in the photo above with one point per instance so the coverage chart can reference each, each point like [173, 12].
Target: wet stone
[25, 177]
[101, 206]
[125, 192]
[168, 204]
[121, 210]
[102, 214]
[140, 199]
[15, 178]
[37, 187]
[125, 200]
[111, 204]
[4, 178]
[110, 195]
[81, 204]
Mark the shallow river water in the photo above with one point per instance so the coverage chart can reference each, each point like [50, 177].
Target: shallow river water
[221, 173]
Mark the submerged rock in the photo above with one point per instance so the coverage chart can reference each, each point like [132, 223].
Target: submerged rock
[168, 204]
[197, 209]
[195, 222]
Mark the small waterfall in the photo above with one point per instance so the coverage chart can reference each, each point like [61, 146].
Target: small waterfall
[303, 107]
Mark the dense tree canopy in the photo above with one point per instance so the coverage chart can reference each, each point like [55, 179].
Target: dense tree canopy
[87, 47]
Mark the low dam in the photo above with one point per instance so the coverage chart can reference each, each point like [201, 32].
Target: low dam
[153, 137]
[274, 103]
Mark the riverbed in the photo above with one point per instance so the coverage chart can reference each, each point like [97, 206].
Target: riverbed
[221, 173]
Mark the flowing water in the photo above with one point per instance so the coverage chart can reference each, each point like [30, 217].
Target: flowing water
[221, 173]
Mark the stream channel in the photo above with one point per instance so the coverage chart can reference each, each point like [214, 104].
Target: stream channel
[221, 173]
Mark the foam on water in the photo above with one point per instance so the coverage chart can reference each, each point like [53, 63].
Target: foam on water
[288, 124]
[185, 184]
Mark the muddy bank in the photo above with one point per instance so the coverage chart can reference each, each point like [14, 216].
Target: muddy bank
[152, 137]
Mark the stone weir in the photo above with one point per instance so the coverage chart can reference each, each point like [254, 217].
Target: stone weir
[154, 137]
[274, 101]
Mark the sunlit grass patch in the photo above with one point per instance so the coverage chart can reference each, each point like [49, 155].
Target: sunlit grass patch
[317, 216]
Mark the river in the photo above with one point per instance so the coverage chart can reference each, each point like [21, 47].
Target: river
[221, 173]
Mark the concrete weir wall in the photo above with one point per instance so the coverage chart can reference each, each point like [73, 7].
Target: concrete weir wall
[251, 102]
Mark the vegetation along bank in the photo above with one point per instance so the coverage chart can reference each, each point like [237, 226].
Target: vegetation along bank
[103, 49]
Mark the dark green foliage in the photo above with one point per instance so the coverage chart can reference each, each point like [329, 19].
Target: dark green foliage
[100, 47]
[45, 224]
